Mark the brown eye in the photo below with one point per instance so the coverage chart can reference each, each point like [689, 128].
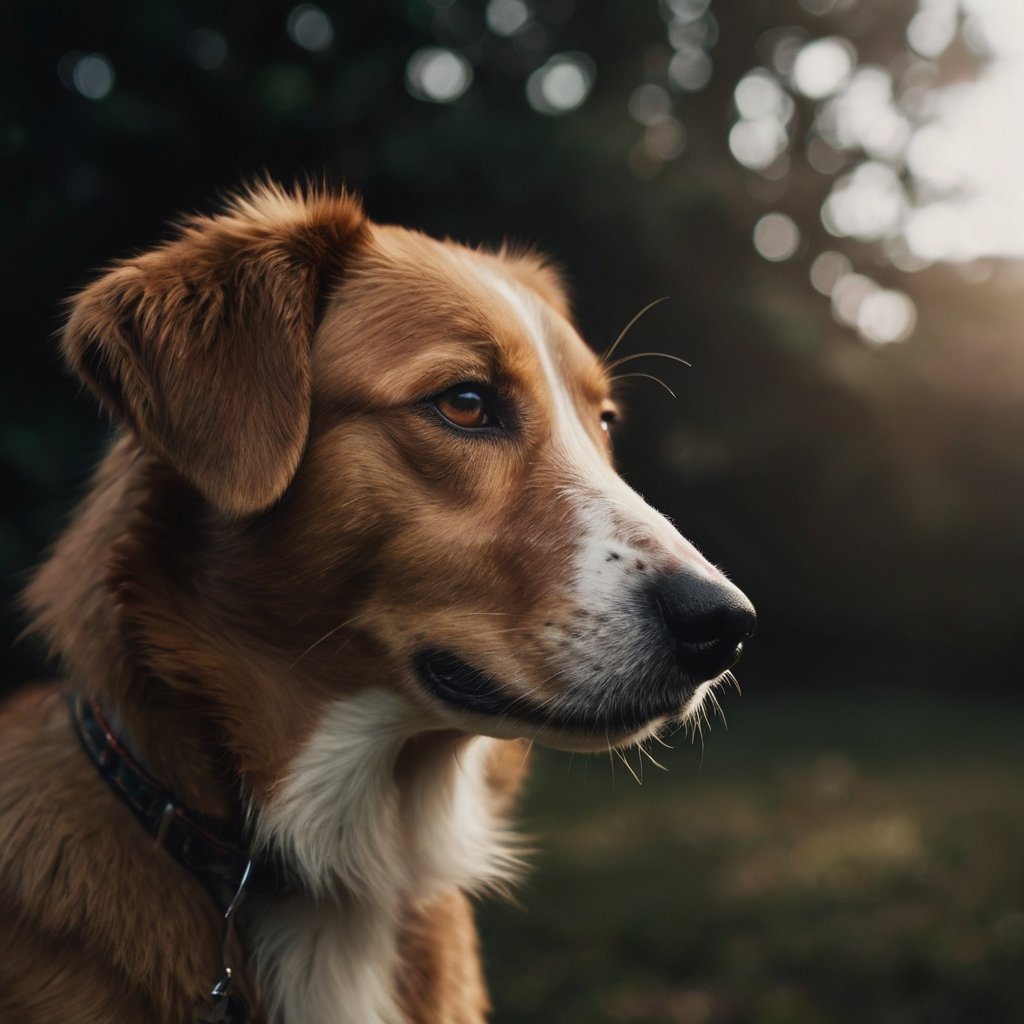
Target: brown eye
[609, 418]
[466, 406]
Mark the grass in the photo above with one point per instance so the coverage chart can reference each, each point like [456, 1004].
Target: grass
[835, 858]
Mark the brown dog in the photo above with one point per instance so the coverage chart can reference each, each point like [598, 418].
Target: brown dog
[359, 536]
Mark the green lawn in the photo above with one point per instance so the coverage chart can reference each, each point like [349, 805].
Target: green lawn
[843, 857]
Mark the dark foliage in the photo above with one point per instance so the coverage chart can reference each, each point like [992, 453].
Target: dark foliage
[864, 498]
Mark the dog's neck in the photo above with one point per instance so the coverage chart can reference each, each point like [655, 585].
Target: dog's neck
[378, 823]
[373, 806]
[91, 600]
[374, 814]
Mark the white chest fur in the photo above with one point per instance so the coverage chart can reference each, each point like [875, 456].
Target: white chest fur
[371, 818]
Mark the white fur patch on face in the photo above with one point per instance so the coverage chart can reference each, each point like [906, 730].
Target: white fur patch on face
[622, 543]
[370, 815]
[609, 510]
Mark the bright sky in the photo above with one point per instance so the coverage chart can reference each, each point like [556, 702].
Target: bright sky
[940, 173]
[962, 144]
[968, 158]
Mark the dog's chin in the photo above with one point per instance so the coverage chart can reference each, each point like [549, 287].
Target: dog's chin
[609, 716]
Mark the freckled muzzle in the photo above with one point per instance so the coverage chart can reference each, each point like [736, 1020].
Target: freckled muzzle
[691, 630]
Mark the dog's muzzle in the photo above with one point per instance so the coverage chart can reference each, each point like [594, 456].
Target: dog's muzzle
[688, 631]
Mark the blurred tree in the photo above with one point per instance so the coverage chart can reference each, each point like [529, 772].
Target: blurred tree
[725, 155]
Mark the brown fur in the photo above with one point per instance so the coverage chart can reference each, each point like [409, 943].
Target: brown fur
[274, 477]
[182, 592]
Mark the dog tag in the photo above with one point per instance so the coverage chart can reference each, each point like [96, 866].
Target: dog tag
[226, 1009]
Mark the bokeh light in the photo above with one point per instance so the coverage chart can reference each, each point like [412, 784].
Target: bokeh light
[437, 74]
[942, 160]
[506, 17]
[941, 231]
[868, 204]
[309, 27]
[690, 69]
[649, 104]
[864, 115]
[687, 11]
[823, 67]
[89, 74]
[666, 139]
[828, 267]
[848, 295]
[692, 33]
[689, 35]
[759, 94]
[824, 157]
[966, 156]
[208, 48]
[759, 142]
[760, 136]
[562, 84]
[933, 28]
[886, 316]
[994, 27]
[784, 45]
[776, 237]
[881, 316]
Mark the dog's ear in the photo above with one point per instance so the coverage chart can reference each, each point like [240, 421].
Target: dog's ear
[202, 345]
[539, 275]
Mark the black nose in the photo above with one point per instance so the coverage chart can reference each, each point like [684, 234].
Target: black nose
[707, 621]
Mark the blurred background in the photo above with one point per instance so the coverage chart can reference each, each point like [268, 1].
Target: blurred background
[828, 193]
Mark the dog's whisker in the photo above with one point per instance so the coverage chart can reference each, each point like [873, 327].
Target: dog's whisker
[646, 376]
[622, 360]
[327, 636]
[610, 351]
[657, 764]
[713, 698]
[703, 712]
[526, 753]
[629, 768]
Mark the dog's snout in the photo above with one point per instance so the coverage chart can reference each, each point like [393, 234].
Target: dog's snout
[706, 621]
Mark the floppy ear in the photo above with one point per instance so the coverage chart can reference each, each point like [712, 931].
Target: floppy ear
[202, 345]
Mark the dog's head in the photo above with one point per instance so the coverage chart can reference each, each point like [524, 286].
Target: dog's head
[402, 450]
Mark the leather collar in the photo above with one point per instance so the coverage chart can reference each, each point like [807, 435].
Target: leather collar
[213, 850]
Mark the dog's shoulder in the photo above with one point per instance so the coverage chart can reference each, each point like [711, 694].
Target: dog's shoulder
[78, 885]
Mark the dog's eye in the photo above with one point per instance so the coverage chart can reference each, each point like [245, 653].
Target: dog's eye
[466, 405]
[609, 420]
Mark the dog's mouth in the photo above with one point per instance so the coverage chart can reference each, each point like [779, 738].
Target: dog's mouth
[610, 710]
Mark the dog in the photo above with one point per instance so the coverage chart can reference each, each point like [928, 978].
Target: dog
[357, 543]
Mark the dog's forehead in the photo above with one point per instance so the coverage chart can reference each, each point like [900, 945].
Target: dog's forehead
[411, 306]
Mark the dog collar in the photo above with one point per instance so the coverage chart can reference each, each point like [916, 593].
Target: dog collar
[214, 851]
